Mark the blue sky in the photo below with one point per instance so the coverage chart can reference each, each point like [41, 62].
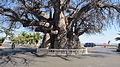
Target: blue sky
[104, 37]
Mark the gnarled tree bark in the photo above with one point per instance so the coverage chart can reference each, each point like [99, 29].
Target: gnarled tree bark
[61, 21]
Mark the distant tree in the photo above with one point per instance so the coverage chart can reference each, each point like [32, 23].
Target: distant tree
[6, 31]
[26, 39]
[61, 21]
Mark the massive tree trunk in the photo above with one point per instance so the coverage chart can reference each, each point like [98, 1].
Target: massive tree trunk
[61, 41]
[60, 37]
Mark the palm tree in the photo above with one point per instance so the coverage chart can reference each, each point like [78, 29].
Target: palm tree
[26, 39]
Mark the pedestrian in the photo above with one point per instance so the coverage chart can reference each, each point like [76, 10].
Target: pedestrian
[12, 46]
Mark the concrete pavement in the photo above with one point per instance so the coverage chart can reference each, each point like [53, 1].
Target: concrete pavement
[97, 57]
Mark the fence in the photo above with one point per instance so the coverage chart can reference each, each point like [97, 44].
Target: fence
[43, 51]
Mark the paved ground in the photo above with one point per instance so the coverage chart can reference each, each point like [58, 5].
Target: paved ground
[97, 57]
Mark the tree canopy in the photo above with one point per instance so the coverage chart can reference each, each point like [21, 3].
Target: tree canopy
[63, 20]
[88, 14]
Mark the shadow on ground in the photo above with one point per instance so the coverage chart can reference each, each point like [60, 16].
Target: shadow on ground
[98, 52]
[9, 51]
[8, 55]
[95, 55]
[17, 56]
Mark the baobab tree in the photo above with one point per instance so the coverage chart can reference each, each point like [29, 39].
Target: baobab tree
[61, 21]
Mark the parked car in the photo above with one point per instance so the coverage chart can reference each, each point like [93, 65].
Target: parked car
[118, 49]
[89, 44]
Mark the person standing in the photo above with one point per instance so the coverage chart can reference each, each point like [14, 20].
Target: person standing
[12, 46]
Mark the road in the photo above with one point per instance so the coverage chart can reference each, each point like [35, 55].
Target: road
[97, 57]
